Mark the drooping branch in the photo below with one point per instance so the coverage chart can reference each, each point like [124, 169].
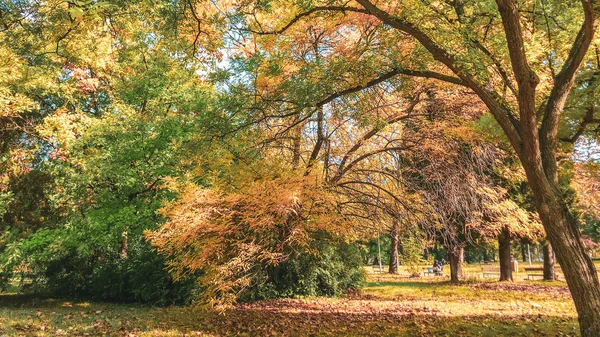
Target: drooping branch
[362, 157]
[384, 190]
[501, 111]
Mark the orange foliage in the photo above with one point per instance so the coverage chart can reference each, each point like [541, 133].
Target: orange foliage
[226, 236]
[587, 185]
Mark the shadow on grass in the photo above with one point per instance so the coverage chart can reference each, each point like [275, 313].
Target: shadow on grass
[10, 300]
[365, 324]
[411, 284]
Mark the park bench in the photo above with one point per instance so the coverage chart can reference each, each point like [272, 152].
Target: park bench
[539, 271]
[490, 271]
[534, 271]
[428, 271]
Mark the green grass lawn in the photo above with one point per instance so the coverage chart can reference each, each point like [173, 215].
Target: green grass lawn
[387, 306]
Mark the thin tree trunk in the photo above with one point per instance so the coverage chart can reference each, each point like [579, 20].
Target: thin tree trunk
[505, 257]
[456, 257]
[124, 246]
[296, 140]
[549, 274]
[379, 254]
[393, 268]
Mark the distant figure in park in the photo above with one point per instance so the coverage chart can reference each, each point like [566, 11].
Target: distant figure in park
[437, 267]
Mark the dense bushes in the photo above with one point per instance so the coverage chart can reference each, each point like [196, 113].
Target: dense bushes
[62, 268]
[327, 267]
[141, 277]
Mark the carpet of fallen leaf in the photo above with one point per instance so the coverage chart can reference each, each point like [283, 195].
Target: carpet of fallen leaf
[387, 306]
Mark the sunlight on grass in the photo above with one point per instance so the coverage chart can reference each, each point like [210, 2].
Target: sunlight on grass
[390, 305]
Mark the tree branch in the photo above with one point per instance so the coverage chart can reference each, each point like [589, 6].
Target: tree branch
[562, 86]
[386, 76]
[308, 13]
[319, 143]
[501, 112]
[527, 80]
[585, 121]
[341, 168]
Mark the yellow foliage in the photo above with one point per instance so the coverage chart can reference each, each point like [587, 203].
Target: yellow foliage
[226, 235]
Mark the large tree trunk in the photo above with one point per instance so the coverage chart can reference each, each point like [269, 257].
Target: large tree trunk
[536, 147]
[393, 269]
[549, 274]
[578, 268]
[563, 234]
[456, 257]
[505, 257]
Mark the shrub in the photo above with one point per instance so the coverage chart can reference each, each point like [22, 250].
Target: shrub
[103, 274]
[327, 267]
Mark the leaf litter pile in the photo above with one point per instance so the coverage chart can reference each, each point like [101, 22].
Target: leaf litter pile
[396, 307]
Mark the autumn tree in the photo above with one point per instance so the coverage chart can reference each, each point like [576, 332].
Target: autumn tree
[353, 146]
[460, 179]
[587, 187]
[487, 48]
[93, 113]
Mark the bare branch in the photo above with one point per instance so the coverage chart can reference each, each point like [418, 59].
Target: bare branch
[341, 168]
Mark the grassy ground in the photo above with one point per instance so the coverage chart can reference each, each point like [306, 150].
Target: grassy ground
[388, 306]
